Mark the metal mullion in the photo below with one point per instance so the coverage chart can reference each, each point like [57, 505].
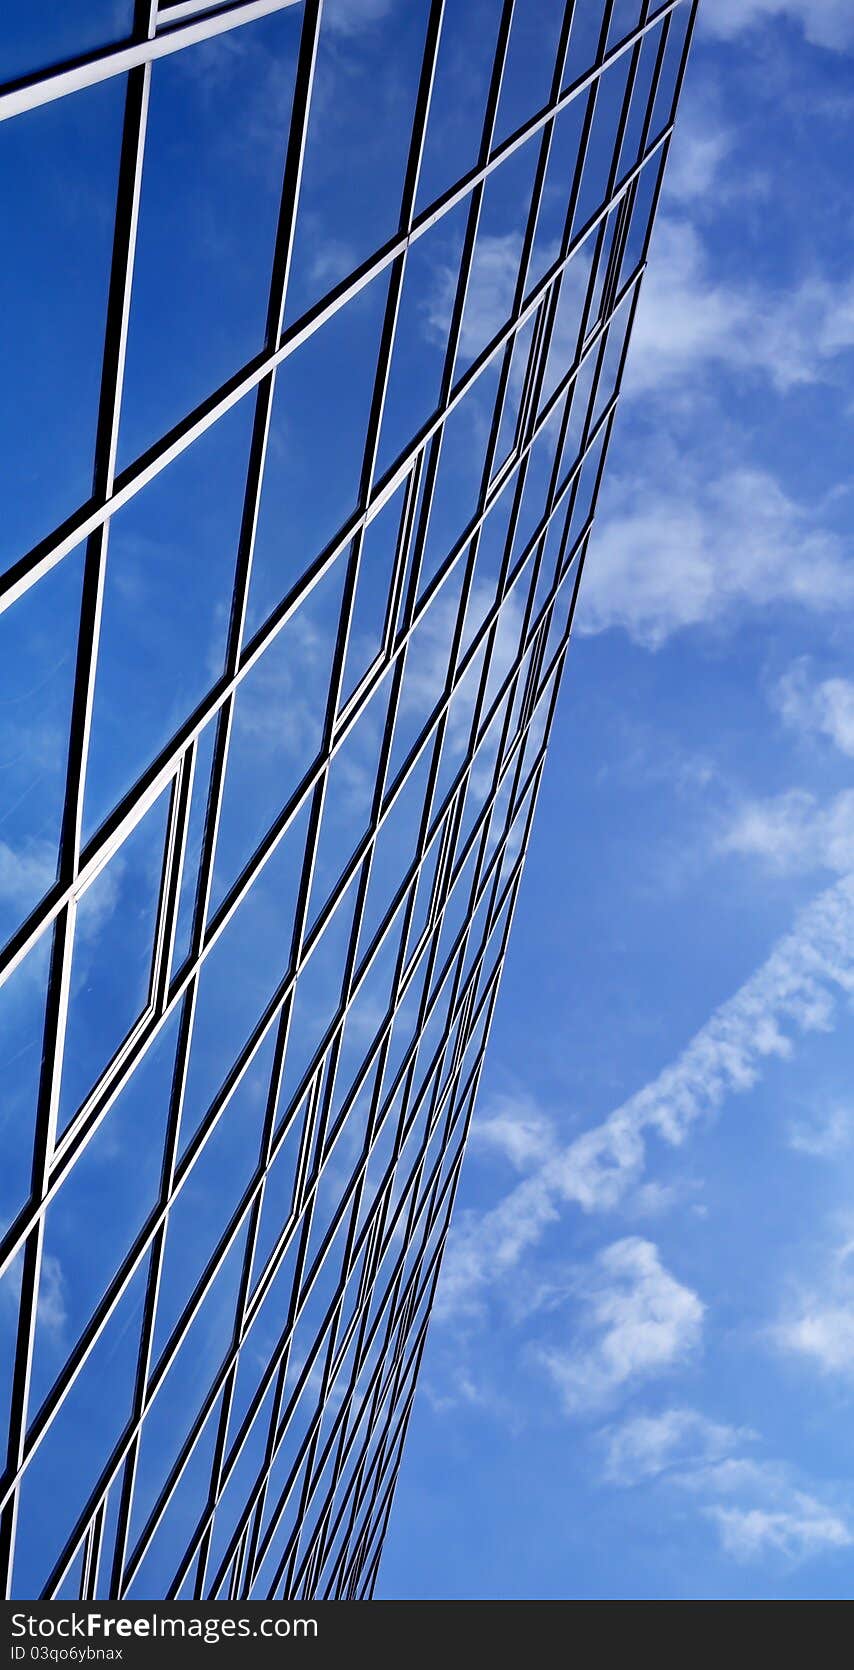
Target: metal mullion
[298, 1464]
[283, 256]
[431, 1279]
[261, 1391]
[49, 551]
[314, 1558]
[395, 906]
[464, 270]
[455, 1174]
[121, 822]
[170, 885]
[508, 924]
[460, 1023]
[534, 207]
[613, 172]
[276, 302]
[92, 1555]
[386, 1194]
[59, 81]
[59, 979]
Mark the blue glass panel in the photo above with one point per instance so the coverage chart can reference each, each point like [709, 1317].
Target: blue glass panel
[421, 339]
[278, 727]
[57, 1483]
[195, 837]
[187, 1381]
[320, 415]
[376, 569]
[349, 796]
[45, 32]
[497, 252]
[317, 996]
[530, 64]
[167, 601]
[241, 973]
[111, 965]
[159, 1564]
[214, 162]
[22, 1001]
[38, 642]
[466, 52]
[212, 1191]
[58, 169]
[112, 1187]
[365, 87]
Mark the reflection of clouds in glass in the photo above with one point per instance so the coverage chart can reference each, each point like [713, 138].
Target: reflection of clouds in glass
[52, 1305]
[26, 874]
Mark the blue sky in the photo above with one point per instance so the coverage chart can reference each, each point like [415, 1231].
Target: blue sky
[640, 1372]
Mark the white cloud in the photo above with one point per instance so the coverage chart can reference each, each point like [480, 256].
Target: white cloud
[818, 1322]
[689, 320]
[825, 1136]
[52, 1308]
[757, 1508]
[827, 23]
[647, 1446]
[792, 992]
[349, 17]
[824, 1334]
[826, 707]
[665, 558]
[793, 831]
[699, 149]
[637, 1321]
[799, 1531]
[26, 874]
[514, 1127]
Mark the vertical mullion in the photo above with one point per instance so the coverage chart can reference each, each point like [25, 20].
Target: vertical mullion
[282, 257]
[59, 979]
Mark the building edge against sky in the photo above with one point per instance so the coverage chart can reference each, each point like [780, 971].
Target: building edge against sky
[287, 592]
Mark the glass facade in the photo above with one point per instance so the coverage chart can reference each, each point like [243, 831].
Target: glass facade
[314, 322]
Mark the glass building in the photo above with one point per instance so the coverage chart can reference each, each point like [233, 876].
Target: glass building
[314, 320]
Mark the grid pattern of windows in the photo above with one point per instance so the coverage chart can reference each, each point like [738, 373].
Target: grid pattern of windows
[311, 365]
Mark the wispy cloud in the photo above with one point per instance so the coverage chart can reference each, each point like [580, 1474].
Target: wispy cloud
[795, 831]
[756, 1506]
[691, 320]
[798, 1531]
[516, 1129]
[828, 23]
[637, 1321]
[825, 707]
[793, 992]
[647, 1446]
[825, 1135]
[350, 17]
[665, 558]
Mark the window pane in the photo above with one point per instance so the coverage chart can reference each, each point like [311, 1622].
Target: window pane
[214, 163]
[111, 968]
[38, 644]
[58, 169]
[167, 601]
[44, 32]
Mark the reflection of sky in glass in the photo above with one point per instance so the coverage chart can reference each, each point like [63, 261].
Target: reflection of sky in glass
[58, 169]
[216, 139]
[214, 154]
[112, 958]
[37, 651]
